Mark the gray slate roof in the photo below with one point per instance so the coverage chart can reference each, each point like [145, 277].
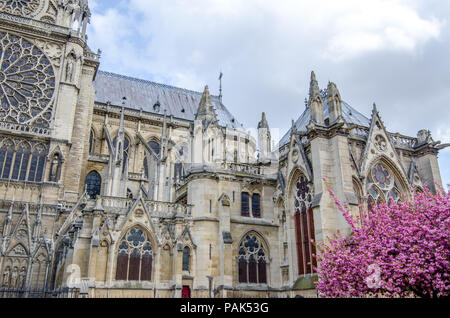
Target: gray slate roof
[144, 94]
[351, 116]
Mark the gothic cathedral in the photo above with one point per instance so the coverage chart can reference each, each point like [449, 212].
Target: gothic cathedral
[122, 187]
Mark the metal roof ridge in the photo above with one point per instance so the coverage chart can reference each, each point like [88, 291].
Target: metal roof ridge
[135, 79]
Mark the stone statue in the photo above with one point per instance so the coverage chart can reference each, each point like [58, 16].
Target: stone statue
[22, 276]
[14, 275]
[54, 168]
[6, 277]
[69, 68]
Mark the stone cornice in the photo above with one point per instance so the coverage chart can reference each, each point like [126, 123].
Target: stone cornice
[136, 116]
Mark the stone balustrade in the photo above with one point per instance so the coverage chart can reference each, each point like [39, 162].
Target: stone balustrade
[155, 208]
[242, 168]
[25, 129]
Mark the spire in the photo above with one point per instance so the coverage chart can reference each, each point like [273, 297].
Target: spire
[314, 90]
[334, 102]
[220, 89]
[205, 108]
[263, 123]
[332, 90]
[315, 101]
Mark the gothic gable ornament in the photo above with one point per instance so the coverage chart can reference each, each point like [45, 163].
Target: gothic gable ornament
[18, 250]
[379, 145]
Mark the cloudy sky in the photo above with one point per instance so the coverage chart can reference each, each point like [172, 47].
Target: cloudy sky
[392, 52]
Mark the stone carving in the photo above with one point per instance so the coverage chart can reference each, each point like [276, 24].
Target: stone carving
[380, 143]
[19, 250]
[6, 274]
[55, 168]
[22, 277]
[70, 67]
[14, 276]
[52, 51]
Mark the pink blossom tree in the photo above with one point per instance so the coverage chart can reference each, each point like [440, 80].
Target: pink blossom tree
[395, 250]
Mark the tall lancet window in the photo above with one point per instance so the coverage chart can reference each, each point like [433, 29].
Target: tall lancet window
[383, 186]
[135, 257]
[304, 226]
[126, 148]
[252, 261]
[37, 163]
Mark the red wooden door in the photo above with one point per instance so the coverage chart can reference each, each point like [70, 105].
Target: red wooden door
[186, 292]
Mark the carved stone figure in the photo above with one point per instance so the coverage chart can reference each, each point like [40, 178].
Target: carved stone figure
[54, 170]
[6, 274]
[14, 277]
[22, 276]
[70, 68]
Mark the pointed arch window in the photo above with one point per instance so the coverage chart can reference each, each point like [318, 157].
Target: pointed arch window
[135, 257]
[23, 162]
[150, 165]
[93, 184]
[252, 261]
[304, 226]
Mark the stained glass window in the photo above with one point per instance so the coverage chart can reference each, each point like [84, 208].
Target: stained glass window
[21, 162]
[382, 186]
[18, 162]
[256, 205]
[252, 262]
[186, 258]
[304, 225]
[245, 204]
[135, 257]
[27, 80]
[93, 184]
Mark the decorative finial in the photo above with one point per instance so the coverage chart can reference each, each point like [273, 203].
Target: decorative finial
[220, 88]
[314, 90]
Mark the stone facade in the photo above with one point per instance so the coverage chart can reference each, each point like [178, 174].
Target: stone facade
[162, 193]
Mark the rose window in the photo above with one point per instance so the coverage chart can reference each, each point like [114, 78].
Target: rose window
[20, 7]
[27, 82]
[381, 176]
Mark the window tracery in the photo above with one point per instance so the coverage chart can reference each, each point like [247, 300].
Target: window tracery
[22, 161]
[134, 260]
[304, 225]
[382, 185]
[27, 82]
[20, 7]
[252, 261]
